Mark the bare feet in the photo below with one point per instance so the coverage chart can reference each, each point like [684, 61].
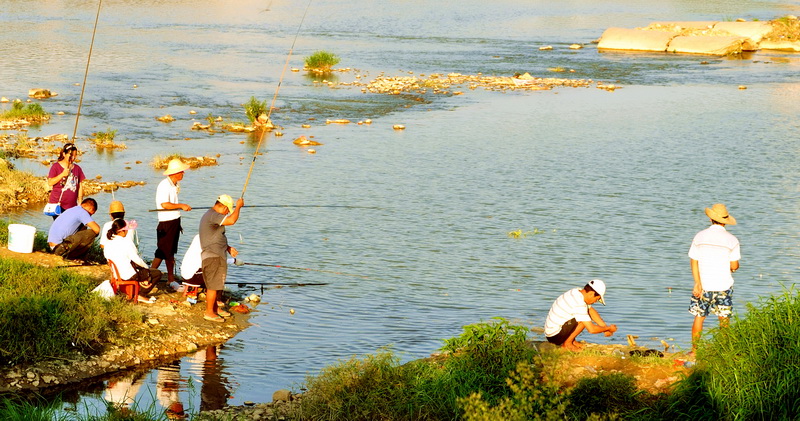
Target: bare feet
[572, 346]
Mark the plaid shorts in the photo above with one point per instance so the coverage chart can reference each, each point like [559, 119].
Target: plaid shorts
[719, 303]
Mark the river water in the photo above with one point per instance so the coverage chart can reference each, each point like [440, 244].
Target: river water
[613, 183]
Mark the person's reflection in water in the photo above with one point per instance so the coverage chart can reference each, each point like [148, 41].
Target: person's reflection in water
[122, 392]
[213, 394]
[167, 387]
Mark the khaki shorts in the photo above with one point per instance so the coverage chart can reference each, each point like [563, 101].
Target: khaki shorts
[215, 270]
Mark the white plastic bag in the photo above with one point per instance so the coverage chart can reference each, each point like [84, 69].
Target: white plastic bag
[105, 290]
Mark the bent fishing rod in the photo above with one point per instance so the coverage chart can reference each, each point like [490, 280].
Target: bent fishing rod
[86, 73]
[274, 97]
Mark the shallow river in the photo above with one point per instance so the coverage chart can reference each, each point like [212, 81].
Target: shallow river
[614, 183]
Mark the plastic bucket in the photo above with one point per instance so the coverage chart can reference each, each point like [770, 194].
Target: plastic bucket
[20, 238]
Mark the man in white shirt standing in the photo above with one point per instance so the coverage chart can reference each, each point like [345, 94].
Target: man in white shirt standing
[714, 256]
[169, 228]
[572, 312]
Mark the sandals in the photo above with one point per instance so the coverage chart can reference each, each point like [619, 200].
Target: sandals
[217, 319]
[223, 313]
[150, 300]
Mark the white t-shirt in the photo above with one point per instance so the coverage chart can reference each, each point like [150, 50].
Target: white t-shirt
[167, 192]
[192, 261]
[122, 253]
[569, 305]
[715, 248]
[104, 234]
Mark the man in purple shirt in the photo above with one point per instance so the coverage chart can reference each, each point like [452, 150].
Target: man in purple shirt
[74, 231]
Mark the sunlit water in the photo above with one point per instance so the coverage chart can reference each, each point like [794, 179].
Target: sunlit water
[615, 182]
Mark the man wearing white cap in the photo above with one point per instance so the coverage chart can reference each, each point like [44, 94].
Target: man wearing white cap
[572, 312]
[215, 249]
[169, 228]
[714, 256]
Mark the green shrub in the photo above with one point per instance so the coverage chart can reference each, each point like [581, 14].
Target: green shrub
[378, 387]
[529, 399]
[604, 394]
[321, 61]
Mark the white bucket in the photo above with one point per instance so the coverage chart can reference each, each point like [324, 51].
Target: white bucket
[20, 238]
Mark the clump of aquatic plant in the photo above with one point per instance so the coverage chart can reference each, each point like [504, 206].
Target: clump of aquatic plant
[105, 140]
[161, 161]
[321, 61]
[254, 109]
[32, 112]
[523, 234]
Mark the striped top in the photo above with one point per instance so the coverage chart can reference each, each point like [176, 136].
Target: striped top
[569, 305]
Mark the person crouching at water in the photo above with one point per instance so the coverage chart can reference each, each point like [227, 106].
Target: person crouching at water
[72, 233]
[126, 258]
[572, 312]
[215, 251]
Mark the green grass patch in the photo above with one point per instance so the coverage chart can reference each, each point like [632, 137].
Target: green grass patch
[321, 61]
[32, 112]
[379, 387]
[751, 367]
[50, 313]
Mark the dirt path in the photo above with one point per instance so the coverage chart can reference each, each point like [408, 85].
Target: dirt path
[170, 328]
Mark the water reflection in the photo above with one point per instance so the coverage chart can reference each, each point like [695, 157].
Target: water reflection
[214, 392]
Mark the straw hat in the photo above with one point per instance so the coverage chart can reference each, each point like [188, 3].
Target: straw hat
[116, 206]
[719, 213]
[175, 166]
[227, 201]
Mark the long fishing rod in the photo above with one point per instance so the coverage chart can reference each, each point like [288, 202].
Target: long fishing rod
[285, 284]
[86, 73]
[280, 206]
[307, 269]
[274, 97]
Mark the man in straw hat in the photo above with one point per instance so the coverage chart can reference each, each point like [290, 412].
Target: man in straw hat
[714, 256]
[215, 249]
[169, 228]
[572, 312]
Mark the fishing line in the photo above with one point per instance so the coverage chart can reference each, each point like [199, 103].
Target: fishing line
[86, 73]
[306, 269]
[274, 97]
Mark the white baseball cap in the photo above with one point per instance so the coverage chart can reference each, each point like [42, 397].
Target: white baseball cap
[599, 287]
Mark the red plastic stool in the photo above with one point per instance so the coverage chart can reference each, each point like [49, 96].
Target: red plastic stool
[190, 290]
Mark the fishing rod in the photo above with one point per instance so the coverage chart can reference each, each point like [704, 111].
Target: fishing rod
[280, 206]
[290, 284]
[307, 269]
[274, 97]
[86, 73]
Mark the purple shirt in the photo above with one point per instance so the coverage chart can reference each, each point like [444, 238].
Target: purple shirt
[68, 185]
[67, 224]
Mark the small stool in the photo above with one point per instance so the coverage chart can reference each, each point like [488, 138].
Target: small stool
[190, 290]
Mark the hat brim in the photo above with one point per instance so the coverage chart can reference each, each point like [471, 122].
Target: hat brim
[176, 169]
[730, 220]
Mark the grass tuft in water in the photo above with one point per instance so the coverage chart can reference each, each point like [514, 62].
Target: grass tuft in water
[33, 112]
[321, 61]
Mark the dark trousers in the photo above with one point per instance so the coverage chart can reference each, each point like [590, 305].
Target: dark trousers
[147, 278]
[76, 246]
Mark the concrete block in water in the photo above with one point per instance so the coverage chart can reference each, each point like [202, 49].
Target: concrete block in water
[710, 45]
[634, 39]
[756, 31]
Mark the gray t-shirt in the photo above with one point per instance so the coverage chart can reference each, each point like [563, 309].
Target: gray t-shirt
[212, 235]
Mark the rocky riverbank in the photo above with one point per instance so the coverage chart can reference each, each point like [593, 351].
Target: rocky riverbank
[167, 330]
